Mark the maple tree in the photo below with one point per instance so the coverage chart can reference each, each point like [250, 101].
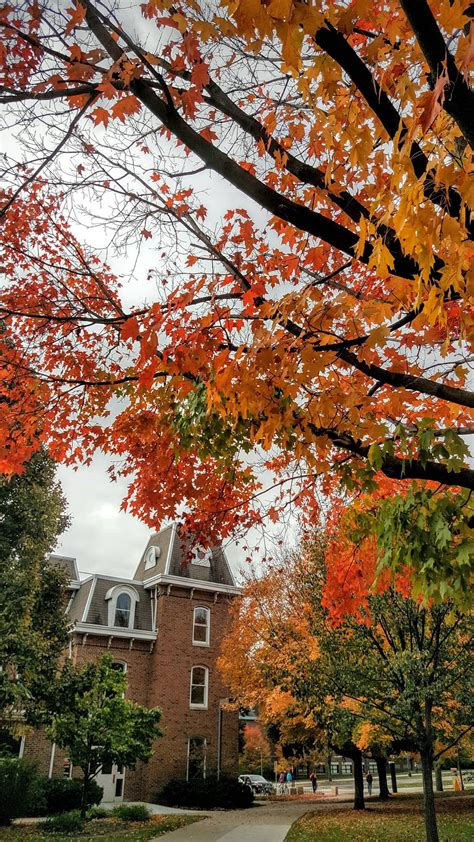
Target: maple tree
[256, 750]
[290, 183]
[393, 677]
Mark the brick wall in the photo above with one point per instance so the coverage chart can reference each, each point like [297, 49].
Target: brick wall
[159, 675]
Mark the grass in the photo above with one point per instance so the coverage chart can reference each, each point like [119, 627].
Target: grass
[400, 820]
[104, 830]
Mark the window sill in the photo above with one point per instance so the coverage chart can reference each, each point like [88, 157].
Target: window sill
[200, 643]
[198, 707]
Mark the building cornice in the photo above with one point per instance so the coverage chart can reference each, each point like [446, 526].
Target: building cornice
[195, 584]
[112, 631]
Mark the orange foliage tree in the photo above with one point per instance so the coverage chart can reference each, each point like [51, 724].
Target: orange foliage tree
[391, 678]
[290, 183]
[256, 753]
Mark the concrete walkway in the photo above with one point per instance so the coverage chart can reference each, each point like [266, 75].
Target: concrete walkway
[266, 822]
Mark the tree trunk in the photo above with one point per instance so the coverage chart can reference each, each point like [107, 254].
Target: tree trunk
[381, 762]
[438, 778]
[359, 803]
[85, 784]
[329, 767]
[431, 828]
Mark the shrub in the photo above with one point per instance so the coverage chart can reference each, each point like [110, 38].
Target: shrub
[98, 813]
[61, 795]
[132, 813]
[71, 822]
[17, 784]
[207, 794]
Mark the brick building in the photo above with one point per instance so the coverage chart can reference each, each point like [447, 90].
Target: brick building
[164, 627]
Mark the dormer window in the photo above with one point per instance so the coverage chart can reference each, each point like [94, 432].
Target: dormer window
[123, 608]
[122, 604]
[151, 556]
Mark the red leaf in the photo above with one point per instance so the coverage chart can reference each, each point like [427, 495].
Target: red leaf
[130, 329]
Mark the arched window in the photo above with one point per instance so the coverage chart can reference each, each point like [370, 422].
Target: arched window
[122, 604]
[201, 626]
[123, 608]
[199, 687]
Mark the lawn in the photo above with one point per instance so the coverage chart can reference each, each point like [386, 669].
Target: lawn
[105, 830]
[398, 821]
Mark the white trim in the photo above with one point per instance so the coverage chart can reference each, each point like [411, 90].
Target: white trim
[107, 578]
[194, 705]
[113, 595]
[108, 631]
[174, 530]
[51, 761]
[197, 584]
[228, 565]
[21, 749]
[89, 599]
[207, 641]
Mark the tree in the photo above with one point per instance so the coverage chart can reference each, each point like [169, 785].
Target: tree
[96, 724]
[419, 538]
[33, 629]
[395, 677]
[321, 323]
[256, 749]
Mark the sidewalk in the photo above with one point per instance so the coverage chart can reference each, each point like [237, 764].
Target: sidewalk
[266, 822]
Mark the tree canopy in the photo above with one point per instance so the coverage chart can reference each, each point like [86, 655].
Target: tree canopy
[291, 183]
[91, 719]
[33, 627]
[396, 679]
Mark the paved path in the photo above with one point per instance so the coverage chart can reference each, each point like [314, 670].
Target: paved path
[261, 823]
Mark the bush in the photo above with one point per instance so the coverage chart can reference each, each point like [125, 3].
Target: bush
[131, 813]
[61, 795]
[98, 813]
[71, 822]
[207, 794]
[17, 784]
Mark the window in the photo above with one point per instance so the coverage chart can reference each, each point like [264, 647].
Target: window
[122, 604]
[151, 556]
[199, 687]
[201, 626]
[123, 609]
[196, 758]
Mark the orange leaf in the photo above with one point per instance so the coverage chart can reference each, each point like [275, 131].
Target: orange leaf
[125, 106]
[76, 14]
[130, 329]
[101, 115]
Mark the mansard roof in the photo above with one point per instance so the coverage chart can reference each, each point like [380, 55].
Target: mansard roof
[91, 603]
[69, 565]
[181, 557]
[167, 560]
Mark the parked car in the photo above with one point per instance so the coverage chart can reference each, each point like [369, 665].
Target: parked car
[257, 783]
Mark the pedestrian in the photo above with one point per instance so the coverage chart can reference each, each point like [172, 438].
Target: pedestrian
[314, 781]
[281, 783]
[289, 781]
[369, 780]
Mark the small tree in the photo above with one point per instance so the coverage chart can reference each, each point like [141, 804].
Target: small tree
[96, 724]
[257, 750]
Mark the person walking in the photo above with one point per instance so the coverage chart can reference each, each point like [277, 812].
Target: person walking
[314, 781]
[281, 783]
[289, 781]
[369, 780]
